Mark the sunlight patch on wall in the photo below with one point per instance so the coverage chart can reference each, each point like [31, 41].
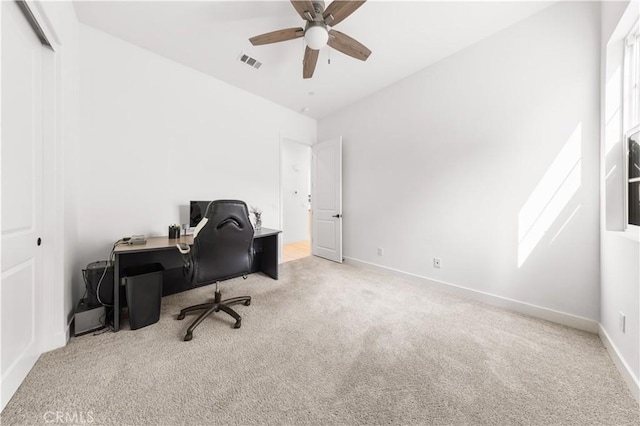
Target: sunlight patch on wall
[564, 225]
[551, 195]
[613, 103]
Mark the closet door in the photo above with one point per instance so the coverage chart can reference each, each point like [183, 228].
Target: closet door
[21, 285]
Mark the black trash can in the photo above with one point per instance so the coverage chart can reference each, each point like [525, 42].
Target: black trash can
[144, 294]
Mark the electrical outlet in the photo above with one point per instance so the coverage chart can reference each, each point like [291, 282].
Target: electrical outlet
[623, 322]
[380, 251]
[437, 262]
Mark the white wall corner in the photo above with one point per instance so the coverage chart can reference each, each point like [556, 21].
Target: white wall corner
[627, 375]
[540, 312]
[60, 339]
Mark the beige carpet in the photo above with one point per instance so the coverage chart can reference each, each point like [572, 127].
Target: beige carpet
[331, 344]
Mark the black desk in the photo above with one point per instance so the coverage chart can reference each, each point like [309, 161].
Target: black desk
[163, 250]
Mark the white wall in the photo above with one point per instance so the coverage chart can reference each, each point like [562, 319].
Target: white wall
[620, 250]
[296, 188]
[155, 134]
[476, 158]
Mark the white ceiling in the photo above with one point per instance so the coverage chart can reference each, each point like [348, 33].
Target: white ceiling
[209, 36]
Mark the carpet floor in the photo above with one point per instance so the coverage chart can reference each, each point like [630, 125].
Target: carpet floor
[330, 344]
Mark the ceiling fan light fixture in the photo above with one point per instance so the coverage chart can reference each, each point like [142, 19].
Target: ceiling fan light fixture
[316, 35]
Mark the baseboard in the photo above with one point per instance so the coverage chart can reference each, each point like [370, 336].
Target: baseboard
[67, 332]
[558, 317]
[61, 339]
[627, 375]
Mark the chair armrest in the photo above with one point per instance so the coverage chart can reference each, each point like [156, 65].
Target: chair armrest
[183, 248]
[187, 261]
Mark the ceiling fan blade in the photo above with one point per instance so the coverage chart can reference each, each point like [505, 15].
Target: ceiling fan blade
[305, 9]
[340, 9]
[277, 36]
[348, 46]
[309, 62]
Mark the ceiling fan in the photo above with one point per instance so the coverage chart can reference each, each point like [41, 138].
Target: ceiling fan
[316, 32]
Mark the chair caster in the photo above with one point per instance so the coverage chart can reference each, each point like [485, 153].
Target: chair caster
[188, 337]
[180, 316]
[237, 324]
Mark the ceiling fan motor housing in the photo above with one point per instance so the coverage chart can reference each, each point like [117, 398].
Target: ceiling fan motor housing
[318, 6]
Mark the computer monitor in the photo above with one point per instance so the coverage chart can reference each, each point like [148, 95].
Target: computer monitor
[197, 210]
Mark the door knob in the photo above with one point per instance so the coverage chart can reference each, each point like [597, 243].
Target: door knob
[337, 215]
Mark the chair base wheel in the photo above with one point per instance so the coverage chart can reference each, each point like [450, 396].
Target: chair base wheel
[207, 309]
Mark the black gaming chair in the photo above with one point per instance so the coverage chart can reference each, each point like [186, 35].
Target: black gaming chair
[222, 249]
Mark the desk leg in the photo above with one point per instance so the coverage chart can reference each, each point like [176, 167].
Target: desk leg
[116, 294]
[269, 260]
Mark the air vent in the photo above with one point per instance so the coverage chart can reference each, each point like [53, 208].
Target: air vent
[252, 62]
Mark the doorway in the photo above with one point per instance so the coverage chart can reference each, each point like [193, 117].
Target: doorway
[295, 184]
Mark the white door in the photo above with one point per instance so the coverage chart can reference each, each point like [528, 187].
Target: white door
[21, 282]
[326, 199]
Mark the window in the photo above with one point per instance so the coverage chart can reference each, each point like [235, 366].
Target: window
[631, 121]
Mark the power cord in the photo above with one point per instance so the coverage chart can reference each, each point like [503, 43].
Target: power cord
[104, 272]
[103, 321]
[103, 318]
